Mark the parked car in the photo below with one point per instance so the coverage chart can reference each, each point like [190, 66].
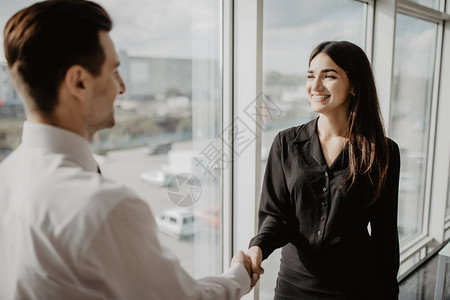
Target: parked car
[177, 222]
[159, 148]
[156, 177]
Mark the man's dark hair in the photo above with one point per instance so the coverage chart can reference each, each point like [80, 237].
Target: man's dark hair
[44, 40]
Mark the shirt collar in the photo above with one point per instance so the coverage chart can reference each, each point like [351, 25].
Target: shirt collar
[306, 132]
[59, 140]
[308, 144]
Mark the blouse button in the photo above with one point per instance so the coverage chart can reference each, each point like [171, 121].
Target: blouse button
[319, 233]
[322, 218]
[324, 204]
[324, 189]
[326, 174]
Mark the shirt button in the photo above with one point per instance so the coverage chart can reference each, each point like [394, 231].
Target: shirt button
[319, 233]
[324, 204]
[326, 174]
[322, 218]
[324, 189]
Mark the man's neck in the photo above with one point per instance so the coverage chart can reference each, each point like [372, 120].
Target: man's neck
[53, 120]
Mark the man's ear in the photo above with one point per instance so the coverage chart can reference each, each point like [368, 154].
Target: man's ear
[77, 82]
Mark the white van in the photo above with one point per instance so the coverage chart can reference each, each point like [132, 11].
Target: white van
[177, 222]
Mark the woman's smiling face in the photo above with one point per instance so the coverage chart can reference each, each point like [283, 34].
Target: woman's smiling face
[328, 86]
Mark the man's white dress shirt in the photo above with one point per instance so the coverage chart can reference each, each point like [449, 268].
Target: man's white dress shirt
[68, 233]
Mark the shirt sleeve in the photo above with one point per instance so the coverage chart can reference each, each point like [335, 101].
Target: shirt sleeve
[126, 261]
[276, 214]
[384, 225]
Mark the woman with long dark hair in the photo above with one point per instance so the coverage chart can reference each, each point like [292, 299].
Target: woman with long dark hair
[330, 191]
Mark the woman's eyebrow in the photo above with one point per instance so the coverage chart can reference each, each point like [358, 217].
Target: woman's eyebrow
[329, 70]
[324, 71]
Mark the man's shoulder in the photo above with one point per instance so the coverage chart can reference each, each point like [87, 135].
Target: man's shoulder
[100, 195]
[73, 196]
[79, 217]
[104, 188]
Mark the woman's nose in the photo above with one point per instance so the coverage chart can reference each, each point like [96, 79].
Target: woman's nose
[316, 84]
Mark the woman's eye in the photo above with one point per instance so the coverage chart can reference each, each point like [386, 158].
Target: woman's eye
[310, 76]
[330, 76]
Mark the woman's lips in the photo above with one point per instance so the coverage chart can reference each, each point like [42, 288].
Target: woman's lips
[319, 97]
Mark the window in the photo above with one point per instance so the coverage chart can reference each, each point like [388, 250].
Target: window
[291, 30]
[12, 112]
[163, 145]
[414, 60]
[169, 118]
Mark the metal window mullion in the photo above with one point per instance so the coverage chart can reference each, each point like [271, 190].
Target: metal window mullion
[370, 18]
[372, 2]
[247, 84]
[227, 117]
[442, 5]
[383, 54]
[432, 135]
[439, 192]
[422, 12]
[414, 246]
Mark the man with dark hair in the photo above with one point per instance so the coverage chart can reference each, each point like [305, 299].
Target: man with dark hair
[66, 232]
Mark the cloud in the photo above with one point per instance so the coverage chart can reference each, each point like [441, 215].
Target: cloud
[287, 49]
[169, 28]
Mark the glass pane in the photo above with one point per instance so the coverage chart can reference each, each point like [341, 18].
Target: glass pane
[291, 29]
[12, 112]
[430, 3]
[414, 57]
[164, 144]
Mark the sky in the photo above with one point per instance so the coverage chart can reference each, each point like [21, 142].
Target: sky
[157, 28]
[292, 28]
[192, 29]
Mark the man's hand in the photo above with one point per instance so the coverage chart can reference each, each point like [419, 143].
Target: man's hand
[255, 255]
[241, 258]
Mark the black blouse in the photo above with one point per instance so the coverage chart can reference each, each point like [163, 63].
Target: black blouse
[327, 246]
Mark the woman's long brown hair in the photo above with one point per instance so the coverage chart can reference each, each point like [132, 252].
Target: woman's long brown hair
[367, 145]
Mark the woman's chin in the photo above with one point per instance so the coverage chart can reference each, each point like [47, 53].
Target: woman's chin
[317, 107]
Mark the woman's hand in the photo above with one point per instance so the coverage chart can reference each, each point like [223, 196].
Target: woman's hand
[255, 255]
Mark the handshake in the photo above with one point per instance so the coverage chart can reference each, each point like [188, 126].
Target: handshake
[251, 261]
